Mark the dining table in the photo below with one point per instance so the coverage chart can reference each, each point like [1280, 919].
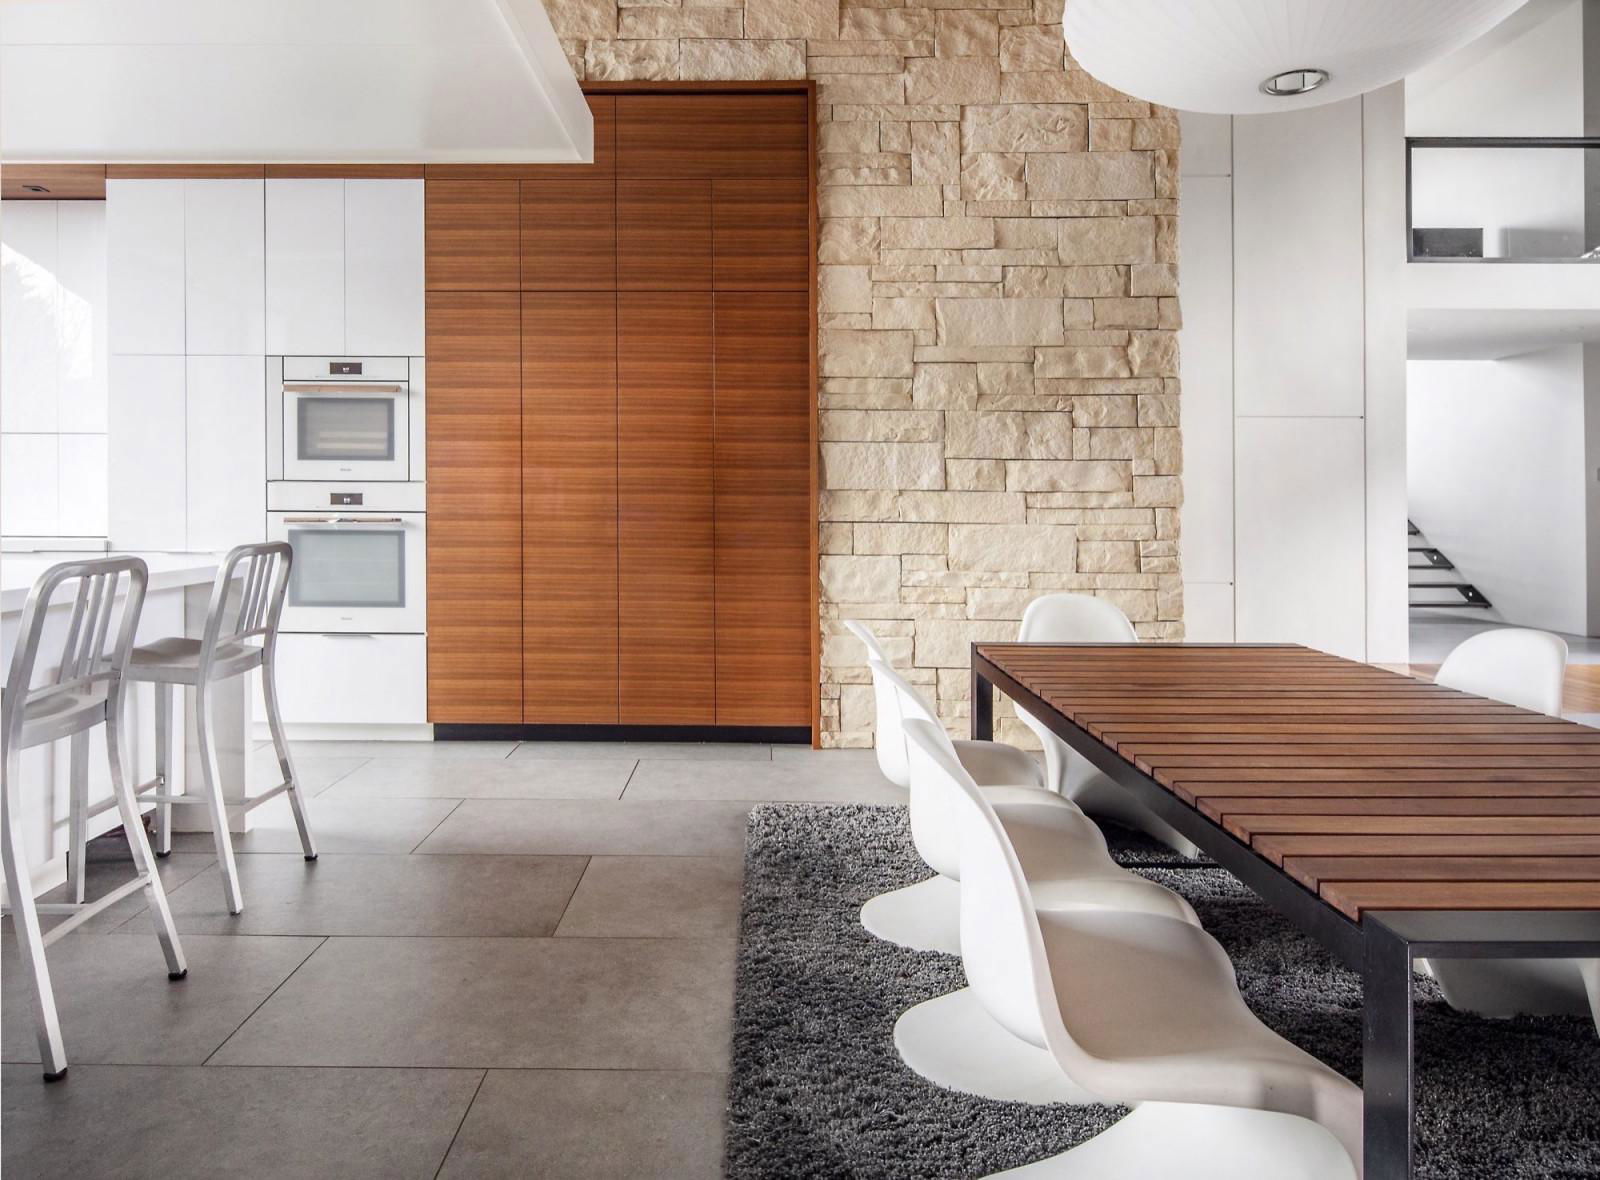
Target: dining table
[1389, 818]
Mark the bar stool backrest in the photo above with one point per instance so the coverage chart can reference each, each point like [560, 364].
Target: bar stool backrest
[264, 570]
[93, 654]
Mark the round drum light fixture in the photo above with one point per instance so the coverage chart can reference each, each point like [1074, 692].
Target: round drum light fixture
[1212, 55]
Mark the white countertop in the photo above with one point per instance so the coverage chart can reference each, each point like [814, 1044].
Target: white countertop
[168, 571]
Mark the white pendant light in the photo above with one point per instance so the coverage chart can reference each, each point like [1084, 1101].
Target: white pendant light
[1259, 56]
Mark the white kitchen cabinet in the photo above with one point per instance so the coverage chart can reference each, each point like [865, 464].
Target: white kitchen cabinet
[224, 285]
[144, 266]
[29, 479]
[145, 453]
[29, 310]
[81, 316]
[352, 679]
[83, 499]
[225, 445]
[305, 236]
[384, 298]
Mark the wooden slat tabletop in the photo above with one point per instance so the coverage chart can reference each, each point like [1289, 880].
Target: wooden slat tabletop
[1369, 787]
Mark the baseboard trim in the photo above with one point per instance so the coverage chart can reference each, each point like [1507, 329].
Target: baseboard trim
[764, 734]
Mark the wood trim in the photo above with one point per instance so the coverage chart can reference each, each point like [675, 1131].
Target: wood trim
[185, 171]
[66, 182]
[344, 171]
[755, 86]
[816, 429]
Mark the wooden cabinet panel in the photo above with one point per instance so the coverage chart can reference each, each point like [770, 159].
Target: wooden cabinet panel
[604, 109]
[569, 508]
[664, 425]
[664, 235]
[761, 231]
[474, 508]
[765, 527]
[712, 136]
[569, 235]
[472, 234]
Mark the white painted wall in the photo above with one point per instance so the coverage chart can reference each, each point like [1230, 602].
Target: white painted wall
[53, 369]
[1497, 481]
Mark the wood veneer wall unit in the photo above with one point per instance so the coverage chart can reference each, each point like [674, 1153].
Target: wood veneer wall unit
[569, 234]
[475, 598]
[473, 235]
[664, 235]
[62, 182]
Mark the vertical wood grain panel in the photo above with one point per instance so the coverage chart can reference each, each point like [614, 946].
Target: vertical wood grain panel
[690, 136]
[761, 235]
[664, 235]
[569, 506]
[666, 567]
[765, 526]
[474, 508]
[472, 235]
[569, 235]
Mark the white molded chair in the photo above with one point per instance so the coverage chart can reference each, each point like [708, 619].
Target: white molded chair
[1523, 668]
[1142, 1009]
[951, 1040]
[1083, 618]
[249, 642]
[87, 688]
[989, 762]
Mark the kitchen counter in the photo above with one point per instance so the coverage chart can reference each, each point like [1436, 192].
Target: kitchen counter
[168, 571]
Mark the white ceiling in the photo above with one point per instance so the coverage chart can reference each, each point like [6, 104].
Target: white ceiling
[301, 81]
[1436, 334]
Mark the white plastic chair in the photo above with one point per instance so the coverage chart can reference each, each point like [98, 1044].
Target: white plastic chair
[1523, 668]
[87, 688]
[988, 762]
[1083, 618]
[1142, 1009]
[951, 1040]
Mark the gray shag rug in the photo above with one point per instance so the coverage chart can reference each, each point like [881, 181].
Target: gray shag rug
[817, 1089]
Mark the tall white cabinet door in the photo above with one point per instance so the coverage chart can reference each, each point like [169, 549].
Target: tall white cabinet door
[81, 356]
[28, 306]
[305, 268]
[383, 234]
[223, 270]
[144, 266]
[146, 438]
[226, 450]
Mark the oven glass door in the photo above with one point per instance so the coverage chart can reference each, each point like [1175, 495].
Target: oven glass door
[341, 433]
[359, 574]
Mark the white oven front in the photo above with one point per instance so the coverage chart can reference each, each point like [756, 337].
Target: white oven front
[346, 430]
[357, 572]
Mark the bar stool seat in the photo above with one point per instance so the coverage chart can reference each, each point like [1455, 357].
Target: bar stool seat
[60, 714]
[176, 660]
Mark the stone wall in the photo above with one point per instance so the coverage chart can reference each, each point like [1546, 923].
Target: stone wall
[998, 311]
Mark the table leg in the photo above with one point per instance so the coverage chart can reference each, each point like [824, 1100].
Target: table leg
[1387, 1054]
[982, 707]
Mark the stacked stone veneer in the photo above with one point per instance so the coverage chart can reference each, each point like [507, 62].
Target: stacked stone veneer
[999, 393]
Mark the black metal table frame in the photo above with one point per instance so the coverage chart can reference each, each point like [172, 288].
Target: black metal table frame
[1383, 947]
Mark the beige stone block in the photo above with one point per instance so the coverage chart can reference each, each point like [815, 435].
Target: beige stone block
[899, 539]
[1102, 411]
[791, 18]
[679, 22]
[988, 275]
[1048, 475]
[1160, 409]
[1153, 354]
[992, 176]
[1092, 176]
[883, 465]
[966, 34]
[881, 426]
[1088, 241]
[1032, 47]
[1153, 278]
[945, 387]
[860, 579]
[885, 24]
[584, 18]
[962, 507]
[989, 436]
[935, 153]
[835, 538]
[848, 240]
[1158, 491]
[910, 314]
[1007, 547]
[895, 137]
[629, 61]
[881, 201]
[848, 137]
[1168, 451]
[1169, 315]
[1082, 361]
[861, 89]
[937, 233]
[742, 60]
[873, 168]
[846, 319]
[1114, 443]
[1125, 313]
[1024, 127]
[844, 288]
[999, 322]
[952, 80]
[857, 709]
[856, 505]
[843, 353]
[1108, 557]
[1160, 132]
[1138, 605]
[1023, 233]
[947, 643]
[1005, 380]
[1058, 86]
[975, 475]
[1110, 135]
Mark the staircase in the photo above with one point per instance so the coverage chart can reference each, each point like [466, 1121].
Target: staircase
[1435, 578]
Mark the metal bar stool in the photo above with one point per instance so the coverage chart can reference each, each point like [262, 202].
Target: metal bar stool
[200, 663]
[87, 688]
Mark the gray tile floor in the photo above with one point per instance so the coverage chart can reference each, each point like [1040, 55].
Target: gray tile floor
[510, 960]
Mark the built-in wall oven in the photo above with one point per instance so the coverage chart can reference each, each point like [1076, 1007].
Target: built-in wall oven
[343, 418]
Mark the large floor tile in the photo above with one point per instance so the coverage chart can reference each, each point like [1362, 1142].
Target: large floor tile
[792, 780]
[574, 827]
[824, 757]
[131, 1123]
[687, 751]
[317, 772]
[339, 825]
[105, 874]
[565, 1003]
[117, 1005]
[592, 1125]
[398, 778]
[425, 750]
[656, 897]
[517, 896]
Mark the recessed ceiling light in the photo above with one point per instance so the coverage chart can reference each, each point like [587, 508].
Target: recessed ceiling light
[1290, 82]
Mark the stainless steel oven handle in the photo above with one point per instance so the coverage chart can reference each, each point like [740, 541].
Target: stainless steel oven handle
[366, 387]
[344, 520]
